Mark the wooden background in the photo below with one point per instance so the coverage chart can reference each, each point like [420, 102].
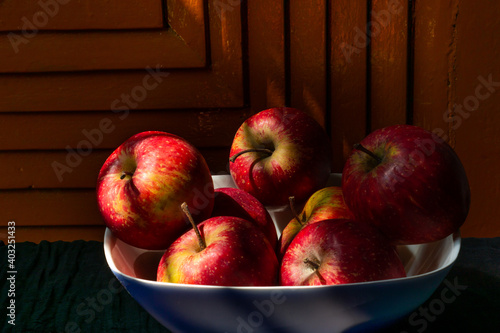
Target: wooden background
[77, 78]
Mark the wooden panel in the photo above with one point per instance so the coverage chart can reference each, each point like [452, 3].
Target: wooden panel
[308, 58]
[221, 85]
[435, 34]
[73, 168]
[107, 130]
[218, 62]
[46, 115]
[105, 91]
[226, 39]
[98, 51]
[388, 45]
[176, 47]
[475, 97]
[188, 19]
[53, 234]
[348, 85]
[266, 54]
[30, 15]
[455, 61]
[51, 169]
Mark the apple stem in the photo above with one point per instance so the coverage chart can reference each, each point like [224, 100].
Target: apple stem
[125, 174]
[292, 208]
[313, 264]
[255, 150]
[186, 211]
[358, 146]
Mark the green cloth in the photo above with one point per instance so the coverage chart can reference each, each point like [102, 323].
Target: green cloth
[68, 287]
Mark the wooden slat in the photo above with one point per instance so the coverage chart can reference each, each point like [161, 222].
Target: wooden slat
[388, 43]
[308, 58]
[226, 46]
[84, 51]
[73, 168]
[266, 54]
[50, 207]
[55, 233]
[105, 91]
[475, 131]
[448, 76]
[75, 15]
[51, 169]
[474, 97]
[434, 81]
[347, 77]
[107, 130]
[187, 18]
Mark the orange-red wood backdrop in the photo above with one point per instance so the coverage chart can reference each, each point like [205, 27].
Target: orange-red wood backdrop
[78, 78]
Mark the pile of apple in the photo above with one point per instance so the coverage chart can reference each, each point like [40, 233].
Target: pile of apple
[400, 185]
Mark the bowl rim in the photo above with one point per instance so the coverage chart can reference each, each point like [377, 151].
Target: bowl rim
[108, 238]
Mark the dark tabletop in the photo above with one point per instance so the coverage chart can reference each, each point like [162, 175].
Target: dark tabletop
[68, 287]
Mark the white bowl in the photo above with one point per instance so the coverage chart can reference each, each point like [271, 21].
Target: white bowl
[341, 308]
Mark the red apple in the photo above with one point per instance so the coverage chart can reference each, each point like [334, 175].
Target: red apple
[339, 251]
[230, 201]
[326, 203]
[143, 183]
[223, 251]
[409, 183]
[278, 153]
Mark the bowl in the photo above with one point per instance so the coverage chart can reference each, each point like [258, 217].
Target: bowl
[355, 307]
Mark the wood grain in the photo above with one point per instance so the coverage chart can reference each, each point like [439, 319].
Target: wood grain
[388, 45]
[50, 207]
[106, 130]
[348, 77]
[73, 168]
[187, 18]
[19, 15]
[474, 101]
[100, 50]
[266, 54]
[308, 70]
[434, 75]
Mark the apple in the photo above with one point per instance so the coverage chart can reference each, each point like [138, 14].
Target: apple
[278, 153]
[339, 251]
[229, 201]
[326, 203]
[223, 251]
[409, 183]
[143, 183]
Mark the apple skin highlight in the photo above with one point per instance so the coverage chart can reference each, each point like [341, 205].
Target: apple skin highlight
[144, 181]
[342, 251]
[326, 203]
[295, 156]
[237, 253]
[416, 191]
[229, 201]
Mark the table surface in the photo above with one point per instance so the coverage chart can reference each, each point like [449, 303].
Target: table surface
[68, 287]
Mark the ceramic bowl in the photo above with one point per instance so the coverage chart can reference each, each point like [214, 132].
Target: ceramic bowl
[355, 307]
